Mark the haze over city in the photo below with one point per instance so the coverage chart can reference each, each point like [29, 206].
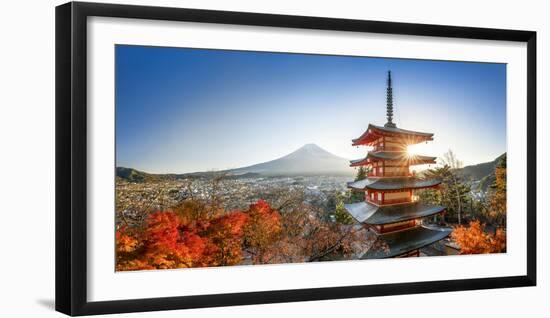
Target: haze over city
[187, 110]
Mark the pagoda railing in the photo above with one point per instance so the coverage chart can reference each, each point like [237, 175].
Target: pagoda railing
[389, 201]
[390, 175]
[388, 148]
[398, 200]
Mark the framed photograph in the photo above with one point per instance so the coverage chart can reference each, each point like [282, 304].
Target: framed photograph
[209, 158]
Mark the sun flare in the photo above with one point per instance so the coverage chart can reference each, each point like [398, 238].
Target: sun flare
[417, 149]
[411, 151]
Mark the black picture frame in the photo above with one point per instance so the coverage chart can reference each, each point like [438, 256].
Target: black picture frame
[71, 157]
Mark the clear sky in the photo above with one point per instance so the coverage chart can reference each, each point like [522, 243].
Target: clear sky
[184, 110]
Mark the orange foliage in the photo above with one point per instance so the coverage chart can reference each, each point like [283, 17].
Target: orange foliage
[261, 231]
[125, 242]
[164, 243]
[225, 235]
[474, 239]
[171, 240]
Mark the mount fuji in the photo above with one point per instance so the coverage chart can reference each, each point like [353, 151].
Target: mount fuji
[310, 159]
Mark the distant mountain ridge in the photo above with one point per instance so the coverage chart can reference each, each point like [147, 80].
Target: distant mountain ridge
[483, 172]
[309, 160]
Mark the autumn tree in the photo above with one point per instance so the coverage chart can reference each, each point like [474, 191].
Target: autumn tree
[163, 243]
[195, 235]
[225, 235]
[307, 236]
[473, 239]
[497, 194]
[171, 244]
[128, 250]
[261, 231]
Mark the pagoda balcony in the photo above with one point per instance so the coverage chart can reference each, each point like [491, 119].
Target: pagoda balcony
[388, 147]
[388, 201]
[396, 201]
[373, 201]
[375, 174]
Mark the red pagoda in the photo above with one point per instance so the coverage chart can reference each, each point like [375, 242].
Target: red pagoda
[389, 210]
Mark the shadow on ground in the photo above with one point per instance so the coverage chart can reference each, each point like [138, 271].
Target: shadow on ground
[48, 303]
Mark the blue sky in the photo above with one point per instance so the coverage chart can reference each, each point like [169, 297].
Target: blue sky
[183, 110]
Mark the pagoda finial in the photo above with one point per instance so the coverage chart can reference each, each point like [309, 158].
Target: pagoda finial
[389, 104]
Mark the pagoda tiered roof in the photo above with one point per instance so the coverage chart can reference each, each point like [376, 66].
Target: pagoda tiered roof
[366, 212]
[397, 183]
[401, 242]
[401, 156]
[389, 211]
[374, 132]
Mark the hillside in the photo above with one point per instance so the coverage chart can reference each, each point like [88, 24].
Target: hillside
[133, 175]
[484, 173]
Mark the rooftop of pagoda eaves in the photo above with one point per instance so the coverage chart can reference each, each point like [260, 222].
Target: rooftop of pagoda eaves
[389, 209]
[374, 133]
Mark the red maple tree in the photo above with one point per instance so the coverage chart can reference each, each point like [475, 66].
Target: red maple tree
[174, 240]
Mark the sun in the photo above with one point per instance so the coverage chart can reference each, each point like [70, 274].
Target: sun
[417, 149]
[411, 151]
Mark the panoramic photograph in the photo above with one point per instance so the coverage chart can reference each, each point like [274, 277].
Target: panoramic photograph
[228, 157]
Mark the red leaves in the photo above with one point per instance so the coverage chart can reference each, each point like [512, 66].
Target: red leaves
[169, 244]
[232, 223]
[225, 235]
[169, 240]
[162, 231]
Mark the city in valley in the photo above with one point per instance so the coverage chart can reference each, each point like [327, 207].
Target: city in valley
[135, 199]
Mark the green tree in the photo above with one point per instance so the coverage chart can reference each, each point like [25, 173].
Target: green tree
[459, 190]
[358, 196]
[340, 213]
[342, 216]
[453, 193]
[361, 173]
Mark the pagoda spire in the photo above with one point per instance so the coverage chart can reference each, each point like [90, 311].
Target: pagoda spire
[389, 104]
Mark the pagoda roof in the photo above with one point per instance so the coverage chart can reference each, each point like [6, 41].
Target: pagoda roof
[393, 155]
[365, 212]
[393, 183]
[374, 132]
[404, 241]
